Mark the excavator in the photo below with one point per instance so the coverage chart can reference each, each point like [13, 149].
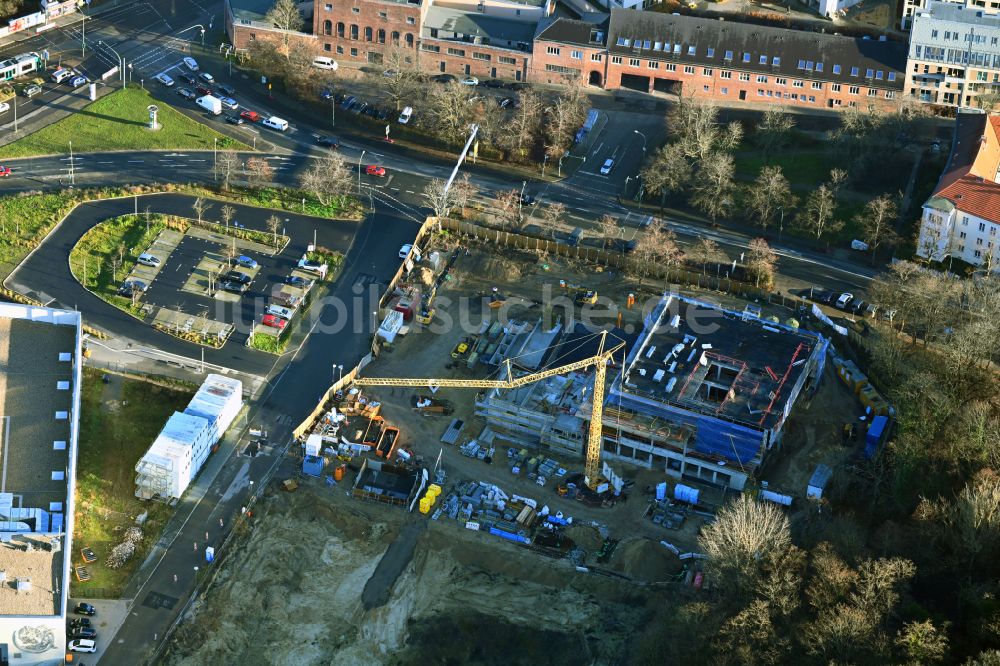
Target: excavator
[592, 467]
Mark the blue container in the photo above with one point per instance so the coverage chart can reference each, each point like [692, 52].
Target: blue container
[877, 431]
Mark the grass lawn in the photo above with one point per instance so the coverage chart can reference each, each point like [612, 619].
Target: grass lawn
[118, 121]
[25, 221]
[291, 200]
[269, 343]
[803, 168]
[100, 250]
[118, 422]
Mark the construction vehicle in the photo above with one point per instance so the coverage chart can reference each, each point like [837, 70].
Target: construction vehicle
[425, 404]
[585, 297]
[426, 315]
[462, 348]
[592, 465]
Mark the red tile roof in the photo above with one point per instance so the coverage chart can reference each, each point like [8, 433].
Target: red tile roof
[969, 178]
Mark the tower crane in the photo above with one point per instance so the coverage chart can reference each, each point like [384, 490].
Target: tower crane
[599, 361]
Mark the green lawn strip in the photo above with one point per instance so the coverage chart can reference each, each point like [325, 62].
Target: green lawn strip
[343, 207]
[269, 343]
[25, 221]
[119, 121]
[99, 249]
[804, 169]
[116, 429]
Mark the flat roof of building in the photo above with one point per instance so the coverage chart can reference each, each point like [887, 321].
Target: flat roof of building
[717, 362]
[474, 24]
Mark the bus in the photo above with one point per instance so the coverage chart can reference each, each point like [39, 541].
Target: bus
[20, 65]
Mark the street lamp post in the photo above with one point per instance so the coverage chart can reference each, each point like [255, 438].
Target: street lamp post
[121, 60]
[520, 199]
[333, 111]
[72, 173]
[544, 161]
[643, 139]
[781, 224]
[360, 157]
[83, 36]
[215, 158]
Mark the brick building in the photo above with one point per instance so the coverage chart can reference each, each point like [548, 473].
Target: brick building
[729, 62]
[364, 30]
[245, 22]
[570, 51]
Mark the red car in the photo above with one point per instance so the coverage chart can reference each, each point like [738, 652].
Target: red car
[374, 170]
[5, 171]
[202, 90]
[273, 322]
[252, 116]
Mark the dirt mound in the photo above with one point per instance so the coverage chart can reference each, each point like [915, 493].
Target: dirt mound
[504, 269]
[423, 275]
[645, 559]
[585, 537]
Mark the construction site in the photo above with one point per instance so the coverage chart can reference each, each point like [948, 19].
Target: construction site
[527, 429]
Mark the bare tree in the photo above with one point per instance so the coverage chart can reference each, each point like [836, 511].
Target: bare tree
[463, 189]
[768, 194]
[713, 188]
[450, 111]
[694, 124]
[228, 161]
[508, 208]
[562, 120]
[400, 79]
[285, 15]
[669, 172]
[273, 224]
[259, 172]
[706, 250]
[922, 643]
[438, 198]
[226, 214]
[877, 222]
[327, 178]
[817, 217]
[493, 124]
[773, 130]
[553, 214]
[200, 207]
[761, 263]
[610, 228]
[524, 123]
[745, 533]
[656, 246]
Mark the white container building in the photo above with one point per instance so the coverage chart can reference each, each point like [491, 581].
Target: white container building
[181, 448]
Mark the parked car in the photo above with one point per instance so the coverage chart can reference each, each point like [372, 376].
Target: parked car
[32, 90]
[147, 259]
[824, 296]
[607, 166]
[82, 645]
[236, 276]
[325, 94]
[445, 78]
[84, 608]
[191, 63]
[375, 170]
[404, 251]
[202, 90]
[164, 79]
[273, 321]
[296, 281]
[844, 299]
[228, 91]
[348, 102]
[83, 632]
[405, 116]
[188, 79]
[246, 262]
[78, 81]
[857, 307]
[5, 171]
[233, 119]
[330, 142]
[390, 73]
[234, 287]
[493, 83]
[206, 77]
[280, 311]
[470, 81]
[252, 116]
[185, 93]
[527, 200]
[79, 622]
[229, 102]
[130, 287]
[323, 62]
[871, 310]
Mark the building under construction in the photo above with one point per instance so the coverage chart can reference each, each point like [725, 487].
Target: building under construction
[702, 394]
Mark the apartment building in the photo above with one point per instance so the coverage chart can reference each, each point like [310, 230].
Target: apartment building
[569, 51]
[961, 219]
[954, 55]
[729, 62]
[911, 7]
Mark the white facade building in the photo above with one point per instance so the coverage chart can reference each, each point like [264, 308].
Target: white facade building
[961, 219]
[183, 446]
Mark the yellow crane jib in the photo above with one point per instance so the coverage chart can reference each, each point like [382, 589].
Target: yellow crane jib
[599, 361]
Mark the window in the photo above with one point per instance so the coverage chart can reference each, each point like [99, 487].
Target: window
[781, 82]
[962, 234]
[798, 84]
[746, 57]
[692, 50]
[380, 36]
[658, 46]
[725, 91]
[965, 221]
[836, 69]
[326, 47]
[744, 76]
[869, 73]
[481, 56]
[646, 44]
[705, 89]
[354, 53]
[596, 57]
[677, 49]
[382, 15]
[411, 20]
[433, 48]
[979, 242]
[763, 60]
[775, 61]
[706, 71]
[562, 70]
[622, 41]
[395, 37]
[633, 62]
[552, 50]
[671, 67]
[728, 56]
[854, 71]
[853, 90]
[812, 98]
[327, 27]
[355, 10]
[761, 79]
[711, 52]
[689, 70]
[652, 64]
[835, 87]
[340, 30]
[507, 60]
[368, 34]
[576, 55]
[802, 64]
[354, 32]
[982, 226]
[340, 50]
[819, 67]
[456, 52]
[760, 92]
[934, 34]
[977, 253]
[616, 60]
[817, 85]
[725, 74]
[328, 7]
[409, 39]
[892, 76]
[879, 74]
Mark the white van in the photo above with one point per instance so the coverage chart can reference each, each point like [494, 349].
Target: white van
[82, 645]
[61, 75]
[404, 117]
[275, 123]
[147, 259]
[322, 62]
[211, 104]
[278, 311]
